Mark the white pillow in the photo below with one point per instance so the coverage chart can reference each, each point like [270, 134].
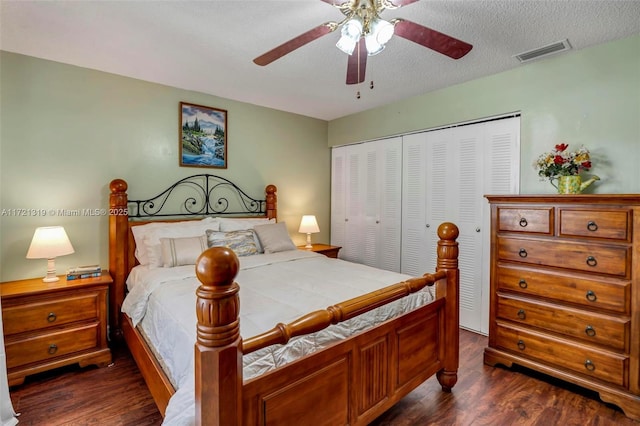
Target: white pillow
[228, 224]
[150, 249]
[274, 237]
[182, 251]
[242, 242]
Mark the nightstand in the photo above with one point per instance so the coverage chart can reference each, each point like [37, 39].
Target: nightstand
[49, 325]
[327, 250]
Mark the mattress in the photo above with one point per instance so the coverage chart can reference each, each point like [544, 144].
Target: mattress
[274, 288]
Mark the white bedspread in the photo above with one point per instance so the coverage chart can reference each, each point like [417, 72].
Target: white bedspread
[274, 288]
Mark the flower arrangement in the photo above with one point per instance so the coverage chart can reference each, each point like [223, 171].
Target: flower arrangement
[561, 162]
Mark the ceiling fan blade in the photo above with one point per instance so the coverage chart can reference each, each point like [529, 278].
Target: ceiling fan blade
[291, 45]
[432, 39]
[357, 64]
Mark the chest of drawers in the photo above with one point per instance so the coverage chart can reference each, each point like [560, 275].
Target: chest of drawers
[565, 295]
[49, 325]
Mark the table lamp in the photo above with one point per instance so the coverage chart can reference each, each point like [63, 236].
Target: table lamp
[49, 242]
[308, 225]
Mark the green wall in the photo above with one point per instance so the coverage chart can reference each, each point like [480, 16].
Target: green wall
[66, 132]
[589, 97]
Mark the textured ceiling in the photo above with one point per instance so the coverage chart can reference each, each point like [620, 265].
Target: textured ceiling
[208, 46]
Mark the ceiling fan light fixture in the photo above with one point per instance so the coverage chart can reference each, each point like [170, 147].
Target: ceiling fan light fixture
[373, 47]
[380, 32]
[350, 34]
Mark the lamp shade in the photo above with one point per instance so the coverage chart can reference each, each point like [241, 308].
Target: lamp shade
[49, 242]
[309, 225]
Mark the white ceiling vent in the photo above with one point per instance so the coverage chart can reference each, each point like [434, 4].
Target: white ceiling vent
[549, 49]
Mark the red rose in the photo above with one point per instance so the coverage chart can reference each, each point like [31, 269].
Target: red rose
[586, 164]
[561, 147]
[558, 159]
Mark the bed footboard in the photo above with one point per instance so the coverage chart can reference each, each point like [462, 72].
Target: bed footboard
[351, 382]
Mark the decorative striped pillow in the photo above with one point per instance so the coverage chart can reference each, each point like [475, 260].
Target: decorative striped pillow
[182, 251]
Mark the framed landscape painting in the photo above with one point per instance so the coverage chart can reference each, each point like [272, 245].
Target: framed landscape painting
[203, 136]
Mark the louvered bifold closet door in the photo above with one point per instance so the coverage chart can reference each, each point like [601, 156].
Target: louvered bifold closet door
[338, 197]
[414, 222]
[389, 218]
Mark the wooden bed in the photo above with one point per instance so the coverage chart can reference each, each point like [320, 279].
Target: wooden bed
[351, 382]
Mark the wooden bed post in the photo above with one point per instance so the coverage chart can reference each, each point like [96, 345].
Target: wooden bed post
[218, 349]
[271, 202]
[118, 240]
[448, 262]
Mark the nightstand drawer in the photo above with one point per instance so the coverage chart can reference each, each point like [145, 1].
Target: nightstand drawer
[41, 314]
[611, 294]
[527, 220]
[608, 224]
[595, 258]
[603, 330]
[585, 360]
[41, 347]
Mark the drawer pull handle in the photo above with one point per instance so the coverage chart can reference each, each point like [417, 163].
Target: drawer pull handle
[592, 226]
[53, 349]
[591, 296]
[522, 253]
[523, 222]
[590, 331]
[521, 345]
[51, 317]
[522, 283]
[521, 314]
[589, 365]
[591, 261]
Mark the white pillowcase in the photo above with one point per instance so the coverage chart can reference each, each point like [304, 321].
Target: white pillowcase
[147, 237]
[274, 237]
[182, 251]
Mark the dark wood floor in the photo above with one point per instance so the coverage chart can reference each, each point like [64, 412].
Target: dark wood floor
[484, 395]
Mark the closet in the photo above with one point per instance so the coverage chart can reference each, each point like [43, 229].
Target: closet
[443, 176]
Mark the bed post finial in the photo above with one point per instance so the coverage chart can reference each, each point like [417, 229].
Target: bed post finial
[271, 201]
[448, 261]
[218, 349]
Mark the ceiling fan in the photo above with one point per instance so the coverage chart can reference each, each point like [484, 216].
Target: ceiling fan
[364, 33]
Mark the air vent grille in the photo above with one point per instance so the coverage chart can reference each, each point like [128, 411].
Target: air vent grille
[549, 49]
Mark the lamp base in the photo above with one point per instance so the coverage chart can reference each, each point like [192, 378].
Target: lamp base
[308, 246]
[49, 279]
[51, 271]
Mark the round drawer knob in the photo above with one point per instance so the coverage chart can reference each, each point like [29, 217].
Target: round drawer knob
[591, 261]
[591, 296]
[523, 283]
[589, 365]
[521, 314]
[53, 348]
[51, 317]
[521, 345]
[523, 222]
[592, 226]
[522, 253]
[590, 331]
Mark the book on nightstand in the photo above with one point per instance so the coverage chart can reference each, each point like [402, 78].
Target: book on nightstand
[80, 272]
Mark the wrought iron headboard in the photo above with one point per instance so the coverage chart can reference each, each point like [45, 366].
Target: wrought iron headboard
[203, 195]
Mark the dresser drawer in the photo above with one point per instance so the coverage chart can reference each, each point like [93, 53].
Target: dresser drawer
[590, 327]
[608, 224]
[38, 314]
[35, 348]
[612, 294]
[589, 361]
[596, 258]
[528, 220]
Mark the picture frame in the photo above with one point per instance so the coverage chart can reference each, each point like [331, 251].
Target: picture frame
[203, 136]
